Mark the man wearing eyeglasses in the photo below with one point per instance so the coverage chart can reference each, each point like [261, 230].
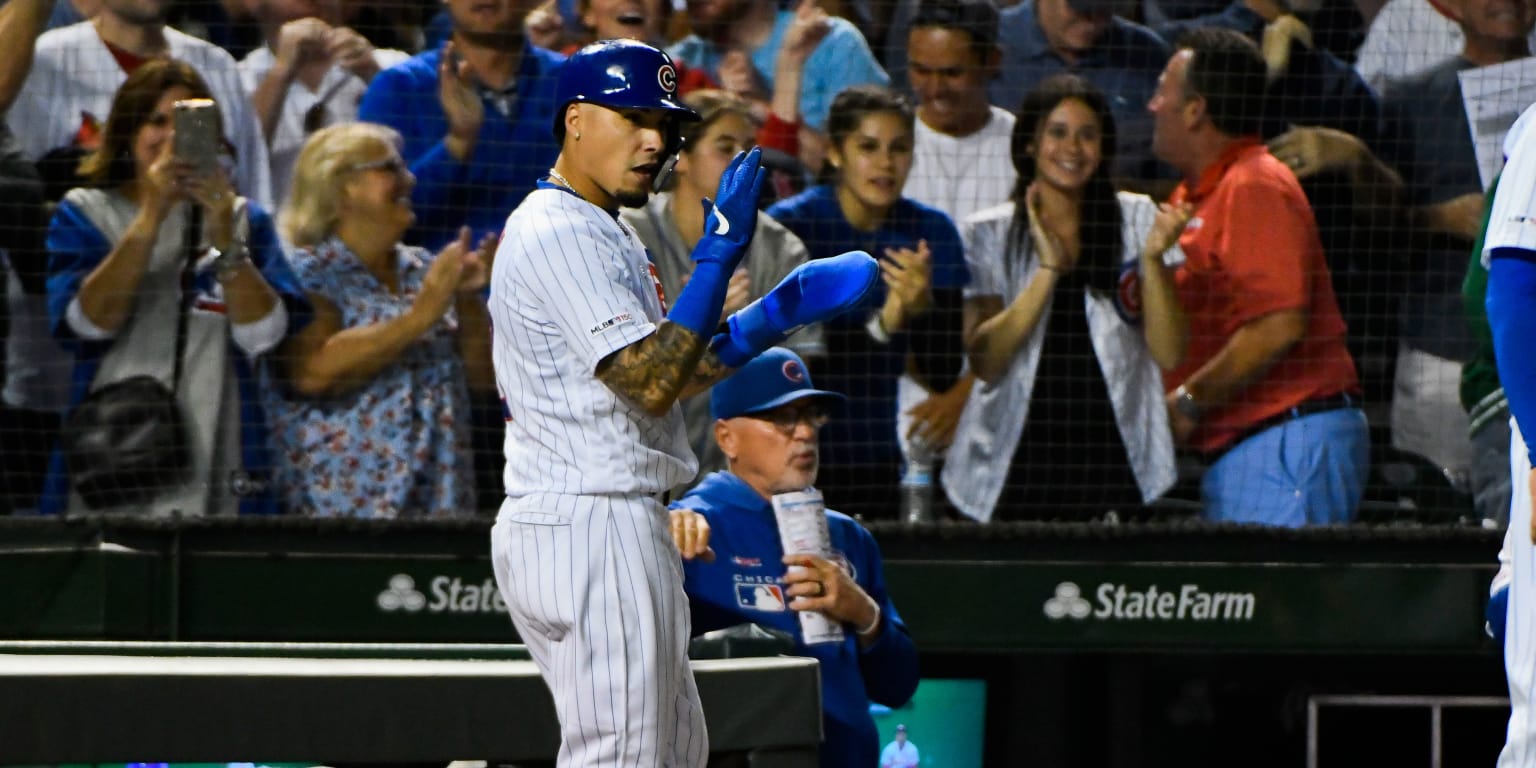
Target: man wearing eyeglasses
[735, 570]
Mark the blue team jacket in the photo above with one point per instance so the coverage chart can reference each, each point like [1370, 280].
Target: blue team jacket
[742, 585]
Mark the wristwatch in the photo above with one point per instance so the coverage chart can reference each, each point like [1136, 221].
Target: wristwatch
[1185, 404]
[225, 265]
[876, 329]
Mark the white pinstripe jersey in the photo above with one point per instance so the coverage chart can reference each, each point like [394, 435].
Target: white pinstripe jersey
[1512, 223]
[571, 285]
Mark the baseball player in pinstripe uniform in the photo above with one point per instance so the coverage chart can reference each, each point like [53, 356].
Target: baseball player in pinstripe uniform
[591, 363]
[1509, 252]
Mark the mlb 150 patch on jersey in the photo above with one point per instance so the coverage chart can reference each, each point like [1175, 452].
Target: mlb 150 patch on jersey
[611, 323]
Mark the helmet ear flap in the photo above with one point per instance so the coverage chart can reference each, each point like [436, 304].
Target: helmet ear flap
[674, 140]
[670, 153]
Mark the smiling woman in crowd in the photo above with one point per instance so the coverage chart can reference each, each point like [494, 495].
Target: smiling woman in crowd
[1069, 316]
[372, 414]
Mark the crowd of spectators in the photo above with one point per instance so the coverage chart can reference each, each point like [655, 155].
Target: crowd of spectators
[1131, 252]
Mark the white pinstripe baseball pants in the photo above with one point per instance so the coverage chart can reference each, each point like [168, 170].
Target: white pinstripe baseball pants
[598, 599]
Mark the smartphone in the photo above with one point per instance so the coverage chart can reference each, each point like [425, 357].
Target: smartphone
[197, 133]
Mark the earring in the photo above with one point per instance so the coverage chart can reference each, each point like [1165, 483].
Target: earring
[578, 135]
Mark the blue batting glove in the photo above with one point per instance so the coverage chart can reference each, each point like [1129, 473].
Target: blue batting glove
[813, 292]
[731, 218]
[728, 227]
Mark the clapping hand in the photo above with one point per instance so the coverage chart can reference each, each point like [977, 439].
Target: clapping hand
[352, 52]
[731, 218]
[739, 76]
[543, 26]
[461, 104]
[1167, 226]
[300, 42]
[807, 29]
[476, 272]
[443, 279]
[908, 277]
[1053, 254]
[1276, 43]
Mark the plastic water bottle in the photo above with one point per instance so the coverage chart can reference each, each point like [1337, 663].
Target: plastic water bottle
[917, 484]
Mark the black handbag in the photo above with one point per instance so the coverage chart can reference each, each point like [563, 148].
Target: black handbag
[127, 443]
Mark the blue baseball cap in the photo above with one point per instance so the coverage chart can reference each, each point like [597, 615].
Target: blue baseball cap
[775, 377]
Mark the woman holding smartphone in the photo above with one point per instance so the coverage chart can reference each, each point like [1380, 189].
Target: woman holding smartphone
[157, 250]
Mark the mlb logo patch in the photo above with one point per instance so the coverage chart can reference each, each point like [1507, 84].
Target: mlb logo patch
[747, 562]
[760, 597]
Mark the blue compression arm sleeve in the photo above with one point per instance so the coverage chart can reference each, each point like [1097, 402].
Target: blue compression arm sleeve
[813, 292]
[698, 305]
[1511, 305]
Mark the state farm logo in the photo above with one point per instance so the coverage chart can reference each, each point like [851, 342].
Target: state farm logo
[1067, 602]
[402, 595]
[1118, 602]
[448, 594]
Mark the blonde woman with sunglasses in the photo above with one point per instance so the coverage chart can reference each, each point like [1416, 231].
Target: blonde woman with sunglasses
[372, 414]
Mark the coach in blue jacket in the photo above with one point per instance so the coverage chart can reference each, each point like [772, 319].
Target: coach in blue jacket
[767, 416]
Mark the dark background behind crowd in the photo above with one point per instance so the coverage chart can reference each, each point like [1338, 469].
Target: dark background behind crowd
[1038, 349]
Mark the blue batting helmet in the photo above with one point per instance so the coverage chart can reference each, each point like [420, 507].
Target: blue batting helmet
[619, 74]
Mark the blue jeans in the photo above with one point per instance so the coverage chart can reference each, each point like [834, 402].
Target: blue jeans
[1305, 471]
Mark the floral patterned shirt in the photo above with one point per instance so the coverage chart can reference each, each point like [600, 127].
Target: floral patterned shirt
[397, 447]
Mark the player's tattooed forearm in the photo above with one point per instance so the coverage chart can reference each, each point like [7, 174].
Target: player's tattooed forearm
[654, 370]
[709, 371]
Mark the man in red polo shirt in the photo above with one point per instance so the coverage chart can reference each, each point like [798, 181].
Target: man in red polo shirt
[1267, 391]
